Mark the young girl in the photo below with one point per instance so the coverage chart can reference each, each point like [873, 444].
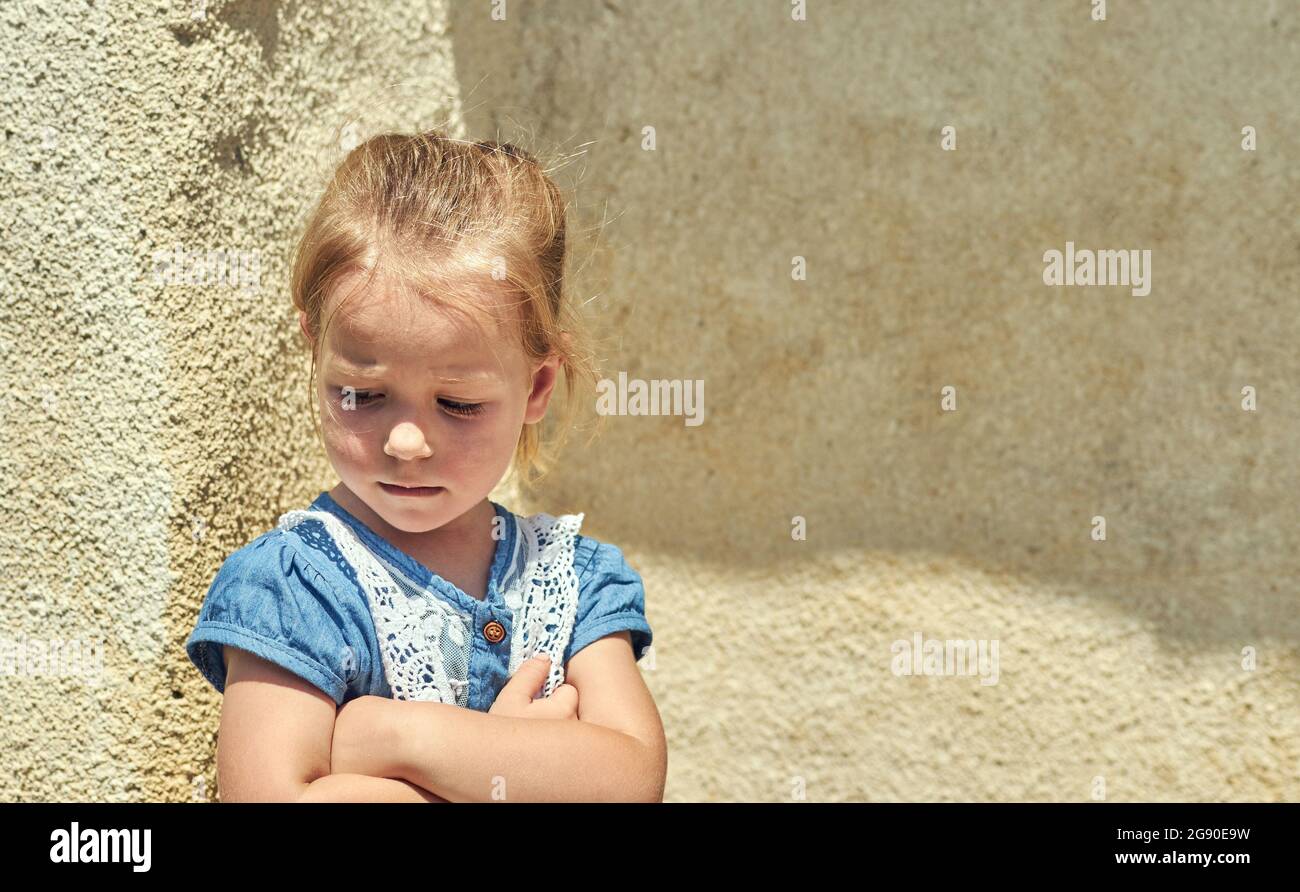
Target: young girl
[429, 285]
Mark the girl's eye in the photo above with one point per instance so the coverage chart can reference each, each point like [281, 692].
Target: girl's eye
[465, 409]
[364, 397]
[360, 397]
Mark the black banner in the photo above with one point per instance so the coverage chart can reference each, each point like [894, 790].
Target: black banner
[175, 840]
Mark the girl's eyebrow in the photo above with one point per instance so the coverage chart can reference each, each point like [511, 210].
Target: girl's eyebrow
[374, 370]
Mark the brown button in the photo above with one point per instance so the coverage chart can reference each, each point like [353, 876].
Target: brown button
[494, 631]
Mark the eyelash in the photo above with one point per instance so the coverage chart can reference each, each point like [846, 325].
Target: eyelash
[463, 410]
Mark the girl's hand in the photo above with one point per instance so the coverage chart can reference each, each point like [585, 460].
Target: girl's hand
[516, 698]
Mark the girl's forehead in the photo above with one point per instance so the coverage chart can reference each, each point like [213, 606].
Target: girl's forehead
[381, 309]
[381, 329]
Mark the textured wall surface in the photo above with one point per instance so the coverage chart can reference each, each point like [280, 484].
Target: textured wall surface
[155, 424]
[164, 415]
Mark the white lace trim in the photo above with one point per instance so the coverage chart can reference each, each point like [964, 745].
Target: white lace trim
[408, 628]
[544, 594]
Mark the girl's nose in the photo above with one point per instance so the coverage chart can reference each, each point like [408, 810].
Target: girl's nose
[406, 441]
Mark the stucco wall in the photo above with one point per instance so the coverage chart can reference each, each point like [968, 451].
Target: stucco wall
[177, 426]
[154, 427]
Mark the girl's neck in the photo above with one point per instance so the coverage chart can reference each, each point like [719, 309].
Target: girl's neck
[448, 545]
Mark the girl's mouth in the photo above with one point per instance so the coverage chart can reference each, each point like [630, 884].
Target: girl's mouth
[410, 490]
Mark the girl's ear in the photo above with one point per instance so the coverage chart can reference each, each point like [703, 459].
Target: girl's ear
[544, 379]
[302, 323]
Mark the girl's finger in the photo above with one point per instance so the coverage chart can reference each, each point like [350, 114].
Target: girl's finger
[566, 698]
[530, 677]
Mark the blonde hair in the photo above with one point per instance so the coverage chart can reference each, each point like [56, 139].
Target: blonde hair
[438, 214]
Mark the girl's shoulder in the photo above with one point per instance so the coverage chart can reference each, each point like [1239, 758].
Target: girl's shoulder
[287, 557]
[281, 597]
[303, 556]
[593, 559]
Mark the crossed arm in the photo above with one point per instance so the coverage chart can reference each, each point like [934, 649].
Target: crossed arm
[283, 739]
[420, 751]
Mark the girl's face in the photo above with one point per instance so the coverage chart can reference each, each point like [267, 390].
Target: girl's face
[417, 398]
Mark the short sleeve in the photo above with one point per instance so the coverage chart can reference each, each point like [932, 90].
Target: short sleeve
[266, 599]
[611, 598]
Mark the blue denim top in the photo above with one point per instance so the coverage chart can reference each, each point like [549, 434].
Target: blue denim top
[289, 597]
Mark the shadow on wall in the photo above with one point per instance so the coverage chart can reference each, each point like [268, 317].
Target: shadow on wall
[1067, 407]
